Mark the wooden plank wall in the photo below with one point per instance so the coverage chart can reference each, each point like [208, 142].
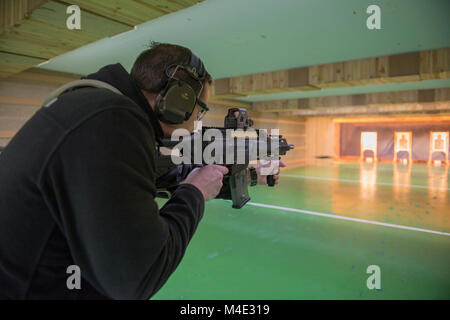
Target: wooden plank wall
[21, 96]
[320, 139]
[323, 133]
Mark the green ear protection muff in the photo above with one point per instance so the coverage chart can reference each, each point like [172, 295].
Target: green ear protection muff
[177, 100]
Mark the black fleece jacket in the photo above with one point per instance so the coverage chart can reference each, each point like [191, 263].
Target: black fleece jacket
[77, 187]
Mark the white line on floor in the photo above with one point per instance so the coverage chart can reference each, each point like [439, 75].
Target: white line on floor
[358, 181]
[314, 213]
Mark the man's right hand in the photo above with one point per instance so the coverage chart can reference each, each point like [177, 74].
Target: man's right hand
[207, 179]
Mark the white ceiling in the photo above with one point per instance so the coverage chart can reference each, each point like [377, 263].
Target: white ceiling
[238, 37]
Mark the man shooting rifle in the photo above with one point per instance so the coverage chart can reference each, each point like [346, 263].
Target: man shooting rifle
[235, 145]
[78, 183]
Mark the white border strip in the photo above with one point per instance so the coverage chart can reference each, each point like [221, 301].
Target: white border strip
[359, 181]
[347, 218]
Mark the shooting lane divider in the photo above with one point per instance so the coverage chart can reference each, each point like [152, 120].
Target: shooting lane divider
[333, 216]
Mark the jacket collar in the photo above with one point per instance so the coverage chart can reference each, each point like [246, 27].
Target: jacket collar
[118, 77]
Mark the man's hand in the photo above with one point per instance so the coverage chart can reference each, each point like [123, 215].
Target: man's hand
[267, 168]
[207, 179]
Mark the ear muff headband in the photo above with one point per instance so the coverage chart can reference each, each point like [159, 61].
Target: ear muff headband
[197, 67]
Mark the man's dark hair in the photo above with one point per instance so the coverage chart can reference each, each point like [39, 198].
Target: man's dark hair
[149, 68]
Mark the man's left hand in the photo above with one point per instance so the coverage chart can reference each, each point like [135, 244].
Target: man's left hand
[269, 168]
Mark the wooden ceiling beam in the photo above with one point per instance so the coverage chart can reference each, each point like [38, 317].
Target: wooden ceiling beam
[7, 134]
[439, 119]
[380, 98]
[13, 63]
[46, 76]
[36, 29]
[407, 67]
[130, 12]
[13, 11]
[378, 109]
[45, 34]
[230, 103]
[23, 102]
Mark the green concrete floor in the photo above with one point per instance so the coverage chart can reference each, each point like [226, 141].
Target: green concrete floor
[271, 253]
